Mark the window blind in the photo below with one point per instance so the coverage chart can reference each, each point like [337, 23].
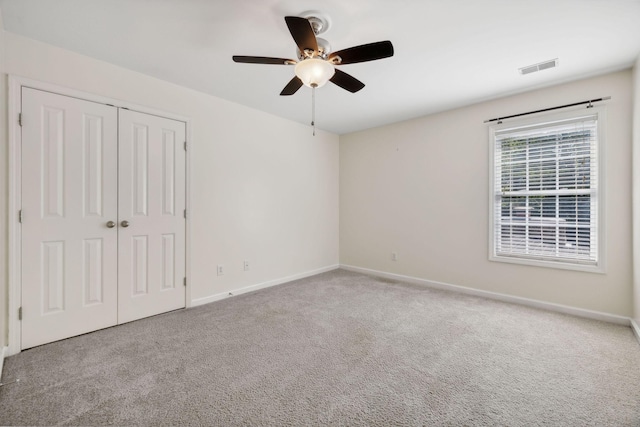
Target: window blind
[546, 191]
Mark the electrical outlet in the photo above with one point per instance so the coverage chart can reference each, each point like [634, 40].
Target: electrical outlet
[220, 269]
[246, 265]
[394, 256]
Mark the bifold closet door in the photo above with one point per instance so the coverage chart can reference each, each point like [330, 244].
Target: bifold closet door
[69, 211]
[151, 204]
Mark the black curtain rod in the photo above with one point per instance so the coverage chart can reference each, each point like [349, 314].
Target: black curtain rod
[499, 119]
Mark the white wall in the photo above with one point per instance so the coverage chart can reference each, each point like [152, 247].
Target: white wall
[263, 189]
[421, 188]
[3, 191]
[636, 190]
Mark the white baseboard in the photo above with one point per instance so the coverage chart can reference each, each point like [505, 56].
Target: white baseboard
[636, 329]
[580, 312]
[3, 353]
[268, 284]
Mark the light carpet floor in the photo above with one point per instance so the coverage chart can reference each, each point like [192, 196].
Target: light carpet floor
[339, 348]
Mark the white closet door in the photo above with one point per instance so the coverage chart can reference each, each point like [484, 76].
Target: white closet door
[69, 194]
[151, 246]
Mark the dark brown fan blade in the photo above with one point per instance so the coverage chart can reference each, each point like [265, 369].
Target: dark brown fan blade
[346, 81]
[292, 87]
[302, 33]
[263, 60]
[364, 53]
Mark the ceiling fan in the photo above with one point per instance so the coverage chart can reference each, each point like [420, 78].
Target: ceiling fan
[316, 63]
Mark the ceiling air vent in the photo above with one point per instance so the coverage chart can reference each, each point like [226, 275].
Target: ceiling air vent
[539, 67]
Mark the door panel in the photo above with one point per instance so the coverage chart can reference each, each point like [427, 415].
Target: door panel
[85, 164]
[69, 192]
[151, 200]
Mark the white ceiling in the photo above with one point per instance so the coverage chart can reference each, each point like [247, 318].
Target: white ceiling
[448, 53]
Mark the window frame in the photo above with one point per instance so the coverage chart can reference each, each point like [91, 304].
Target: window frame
[538, 120]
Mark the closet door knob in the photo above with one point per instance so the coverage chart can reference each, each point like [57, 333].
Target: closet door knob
[111, 224]
[124, 223]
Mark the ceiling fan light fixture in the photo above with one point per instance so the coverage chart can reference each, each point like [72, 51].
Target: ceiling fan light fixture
[314, 72]
[316, 65]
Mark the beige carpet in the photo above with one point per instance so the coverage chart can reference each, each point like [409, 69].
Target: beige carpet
[335, 349]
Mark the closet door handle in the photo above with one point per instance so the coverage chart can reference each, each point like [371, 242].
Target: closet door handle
[124, 223]
[111, 224]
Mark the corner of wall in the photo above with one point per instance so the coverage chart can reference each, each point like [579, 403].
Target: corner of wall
[636, 329]
[401, 206]
[636, 190]
[4, 166]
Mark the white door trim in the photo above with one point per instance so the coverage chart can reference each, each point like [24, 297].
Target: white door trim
[16, 84]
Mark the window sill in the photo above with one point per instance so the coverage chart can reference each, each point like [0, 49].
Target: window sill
[599, 269]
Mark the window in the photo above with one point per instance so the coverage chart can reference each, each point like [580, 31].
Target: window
[546, 192]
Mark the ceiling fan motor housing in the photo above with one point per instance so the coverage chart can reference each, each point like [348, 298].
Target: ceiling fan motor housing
[324, 49]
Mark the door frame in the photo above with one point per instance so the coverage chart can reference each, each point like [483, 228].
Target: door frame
[14, 229]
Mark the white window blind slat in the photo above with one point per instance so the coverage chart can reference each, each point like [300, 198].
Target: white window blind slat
[546, 191]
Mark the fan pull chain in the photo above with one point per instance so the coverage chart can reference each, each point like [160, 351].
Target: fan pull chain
[313, 108]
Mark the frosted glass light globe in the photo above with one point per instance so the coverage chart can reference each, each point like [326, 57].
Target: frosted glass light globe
[314, 72]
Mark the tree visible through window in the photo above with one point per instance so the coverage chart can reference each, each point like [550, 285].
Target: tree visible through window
[546, 191]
